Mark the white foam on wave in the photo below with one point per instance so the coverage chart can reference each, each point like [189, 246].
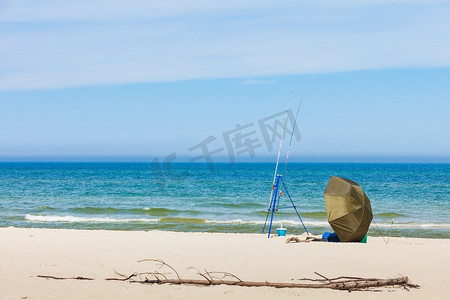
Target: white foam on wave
[235, 221]
[414, 225]
[73, 219]
[325, 223]
[261, 222]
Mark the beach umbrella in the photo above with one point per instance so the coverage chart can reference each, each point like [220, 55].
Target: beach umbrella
[348, 209]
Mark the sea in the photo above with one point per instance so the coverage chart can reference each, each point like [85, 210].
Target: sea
[408, 200]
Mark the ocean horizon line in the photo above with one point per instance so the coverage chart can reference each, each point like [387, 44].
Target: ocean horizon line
[226, 160]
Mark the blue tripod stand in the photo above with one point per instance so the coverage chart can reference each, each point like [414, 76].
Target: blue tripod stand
[273, 206]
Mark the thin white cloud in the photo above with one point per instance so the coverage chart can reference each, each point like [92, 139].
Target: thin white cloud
[83, 10]
[258, 81]
[56, 44]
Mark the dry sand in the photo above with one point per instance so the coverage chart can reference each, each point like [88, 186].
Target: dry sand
[26, 253]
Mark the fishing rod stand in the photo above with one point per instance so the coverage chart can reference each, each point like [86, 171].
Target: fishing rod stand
[275, 202]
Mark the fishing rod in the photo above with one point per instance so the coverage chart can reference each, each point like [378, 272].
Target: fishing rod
[278, 178]
[292, 135]
[279, 151]
[290, 143]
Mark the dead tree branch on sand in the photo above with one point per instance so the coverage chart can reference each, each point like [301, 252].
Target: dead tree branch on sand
[223, 278]
[342, 285]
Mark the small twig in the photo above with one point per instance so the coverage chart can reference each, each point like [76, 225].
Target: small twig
[200, 273]
[225, 274]
[339, 279]
[411, 285]
[125, 278]
[120, 274]
[309, 279]
[155, 274]
[162, 263]
[322, 276]
[64, 278]
[208, 275]
[350, 277]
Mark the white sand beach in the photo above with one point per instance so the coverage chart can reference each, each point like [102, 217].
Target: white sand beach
[26, 253]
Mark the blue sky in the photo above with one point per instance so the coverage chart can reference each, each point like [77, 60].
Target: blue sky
[140, 79]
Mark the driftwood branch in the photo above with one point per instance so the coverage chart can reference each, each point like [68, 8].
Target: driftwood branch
[349, 285]
[338, 283]
[307, 239]
[211, 278]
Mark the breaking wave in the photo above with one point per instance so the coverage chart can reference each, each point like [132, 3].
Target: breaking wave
[74, 219]
[175, 220]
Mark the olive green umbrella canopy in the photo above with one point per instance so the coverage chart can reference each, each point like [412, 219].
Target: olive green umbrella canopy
[348, 209]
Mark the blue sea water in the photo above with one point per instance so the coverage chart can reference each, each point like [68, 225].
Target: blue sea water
[230, 198]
